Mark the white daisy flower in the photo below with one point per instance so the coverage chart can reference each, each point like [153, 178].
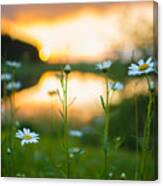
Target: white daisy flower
[27, 137]
[104, 66]
[67, 69]
[13, 64]
[142, 67]
[115, 86]
[6, 76]
[75, 133]
[76, 150]
[13, 85]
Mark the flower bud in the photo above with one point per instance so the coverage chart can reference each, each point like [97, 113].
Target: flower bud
[67, 69]
[8, 151]
[151, 85]
[17, 123]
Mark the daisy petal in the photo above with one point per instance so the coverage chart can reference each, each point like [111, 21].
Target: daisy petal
[23, 142]
[149, 60]
[141, 62]
[19, 134]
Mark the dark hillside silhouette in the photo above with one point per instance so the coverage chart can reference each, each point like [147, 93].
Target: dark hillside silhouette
[13, 49]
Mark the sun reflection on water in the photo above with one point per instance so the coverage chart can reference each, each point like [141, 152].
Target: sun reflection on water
[35, 102]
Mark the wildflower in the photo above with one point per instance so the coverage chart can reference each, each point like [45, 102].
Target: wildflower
[52, 92]
[67, 69]
[110, 174]
[123, 175]
[115, 86]
[13, 64]
[118, 138]
[13, 85]
[142, 67]
[75, 150]
[27, 137]
[104, 66]
[152, 85]
[8, 150]
[6, 76]
[75, 133]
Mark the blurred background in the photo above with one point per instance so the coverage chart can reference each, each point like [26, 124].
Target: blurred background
[43, 38]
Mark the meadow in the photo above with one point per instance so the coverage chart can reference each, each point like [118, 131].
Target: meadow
[124, 137]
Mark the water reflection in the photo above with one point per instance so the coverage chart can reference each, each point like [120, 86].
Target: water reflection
[41, 100]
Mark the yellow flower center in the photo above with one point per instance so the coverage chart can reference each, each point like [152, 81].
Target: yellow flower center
[27, 137]
[143, 66]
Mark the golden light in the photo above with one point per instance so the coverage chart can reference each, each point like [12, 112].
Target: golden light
[34, 102]
[47, 83]
[44, 54]
[88, 33]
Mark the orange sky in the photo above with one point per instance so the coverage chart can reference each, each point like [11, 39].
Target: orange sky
[87, 32]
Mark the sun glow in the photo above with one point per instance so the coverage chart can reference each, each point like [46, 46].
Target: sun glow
[87, 34]
[44, 53]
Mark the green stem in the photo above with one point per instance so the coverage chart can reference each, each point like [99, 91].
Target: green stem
[65, 107]
[7, 137]
[4, 92]
[106, 127]
[146, 137]
[137, 137]
[52, 113]
[11, 132]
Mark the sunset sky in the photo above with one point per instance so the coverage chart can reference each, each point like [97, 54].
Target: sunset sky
[82, 32]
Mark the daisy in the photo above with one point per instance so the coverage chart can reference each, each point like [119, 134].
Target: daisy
[13, 85]
[104, 66]
[6, 76]
[27, 137]
[142, 67]
[67, 69]
[115, 86]
[75, 150]
[75, 133]
[13, 64]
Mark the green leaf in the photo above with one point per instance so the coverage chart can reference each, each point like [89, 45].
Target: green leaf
[102, 103]
[61, 113]
[73, 100]
[59, 96]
